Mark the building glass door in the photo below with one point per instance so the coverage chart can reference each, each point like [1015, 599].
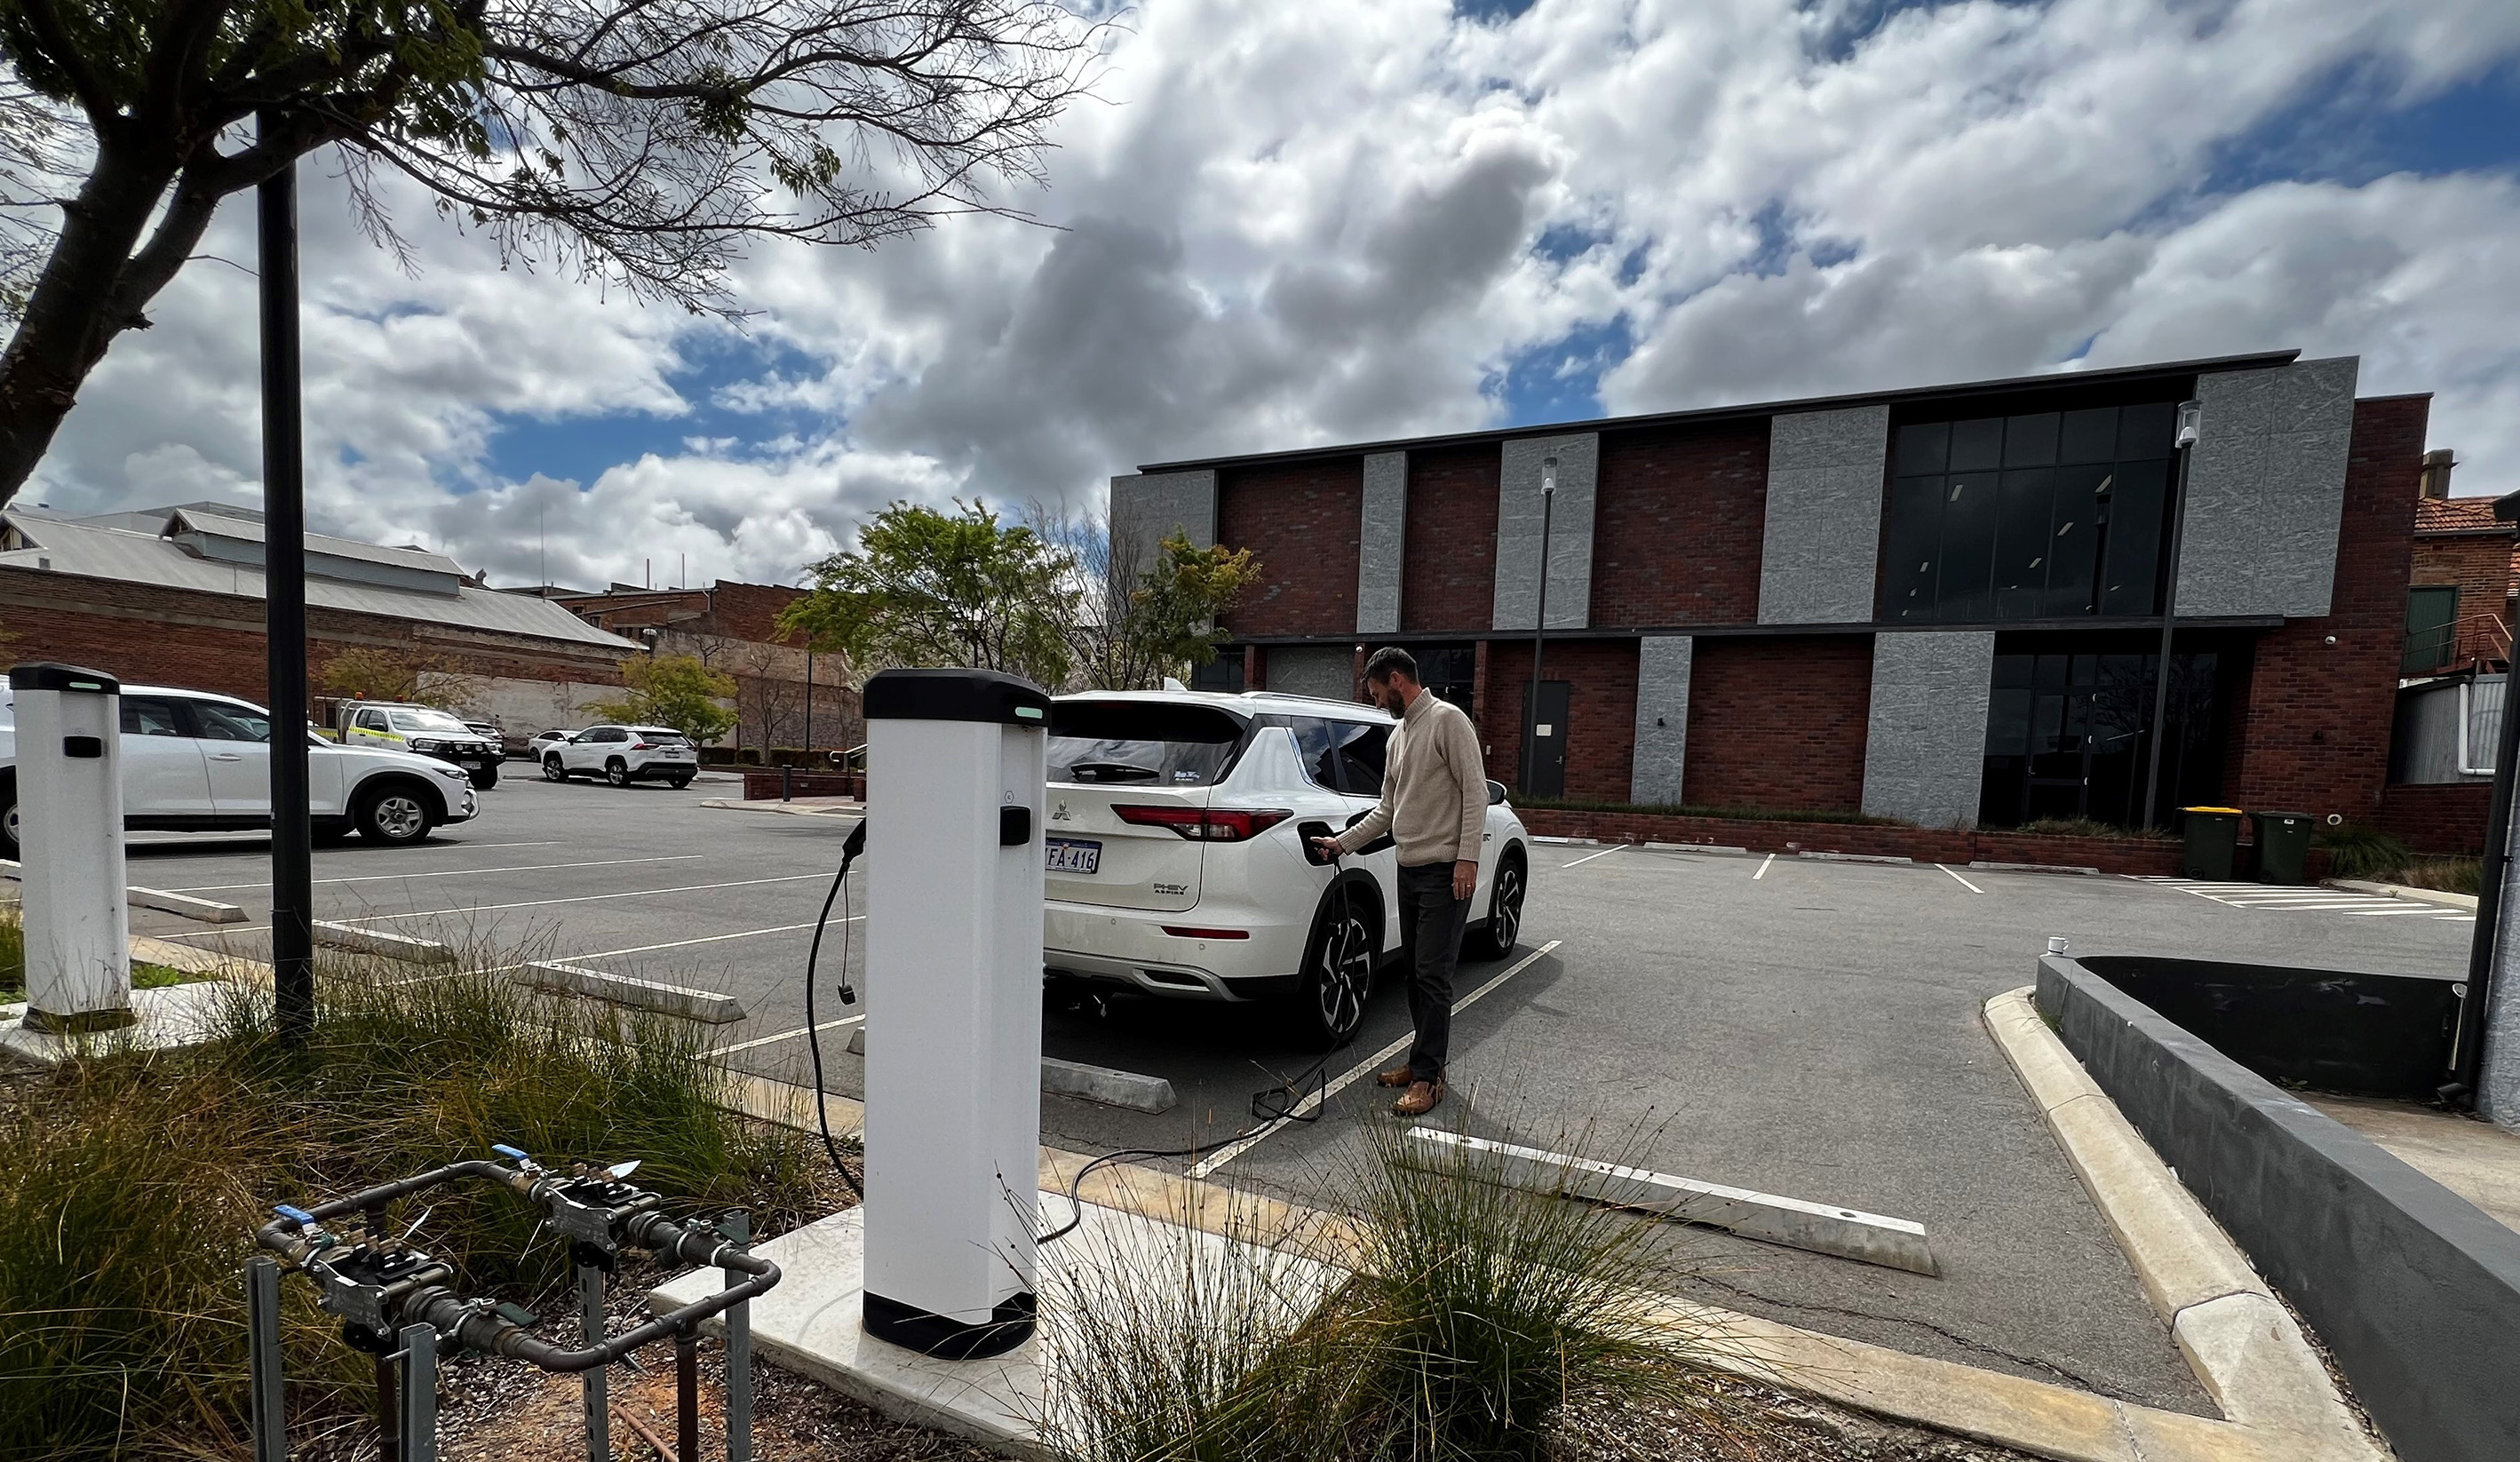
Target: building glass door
[2068, 733]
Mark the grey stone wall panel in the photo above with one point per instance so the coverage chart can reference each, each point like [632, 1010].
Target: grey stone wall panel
[1327, 671]
[1924, 745]
[2265, 490]
[1662, 716]
[1570, 532]
[1381, 545]
[1147, 507]
[1823, 541]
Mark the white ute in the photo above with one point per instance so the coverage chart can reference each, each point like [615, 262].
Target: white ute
[1174, 839]
[193, 762]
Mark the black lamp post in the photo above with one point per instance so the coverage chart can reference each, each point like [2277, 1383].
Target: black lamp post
[2191, 425]
[1539, 632]
[283, 603]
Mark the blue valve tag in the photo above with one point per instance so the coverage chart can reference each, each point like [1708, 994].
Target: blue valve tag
[510, 1153]
[296, 1216]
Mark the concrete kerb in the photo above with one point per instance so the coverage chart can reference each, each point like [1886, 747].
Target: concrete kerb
[207, 911]
[377, 942]
[2241, 1341]
[2441, 896]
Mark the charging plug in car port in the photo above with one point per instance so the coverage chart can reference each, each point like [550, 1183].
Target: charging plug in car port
[1307, 831]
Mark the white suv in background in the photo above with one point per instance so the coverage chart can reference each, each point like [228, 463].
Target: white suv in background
[193, 762]
[1174, 830]
[624, 754]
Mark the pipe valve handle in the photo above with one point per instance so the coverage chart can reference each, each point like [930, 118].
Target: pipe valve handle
[512, 1154]
[296, 1216]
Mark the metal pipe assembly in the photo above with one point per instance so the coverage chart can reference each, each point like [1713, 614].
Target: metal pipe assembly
[398, 1304]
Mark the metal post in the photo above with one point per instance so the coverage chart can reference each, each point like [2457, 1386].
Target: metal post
[418, 1393]
[687, 1394]
[593, 1383]
[284, 585]
[738, 1354]
[2189, 423]
[263, 1358]
[1538, 630]
[391, 1423]
[2467, 1036]
[786, 782]
[809, 705]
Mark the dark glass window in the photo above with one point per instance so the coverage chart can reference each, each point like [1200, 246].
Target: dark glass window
[1224, 673]
[2066, 735]
[2044, 516]
[1361, 750]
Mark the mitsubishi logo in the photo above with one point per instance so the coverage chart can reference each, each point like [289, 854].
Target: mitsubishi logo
[1061, 815]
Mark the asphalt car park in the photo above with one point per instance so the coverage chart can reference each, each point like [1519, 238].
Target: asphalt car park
[1793, 1026]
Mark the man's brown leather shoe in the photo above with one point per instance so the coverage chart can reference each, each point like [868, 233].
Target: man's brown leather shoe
[1398, 1076]
[1420, 1100]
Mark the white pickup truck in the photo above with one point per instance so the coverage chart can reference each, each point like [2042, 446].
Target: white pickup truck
[193, 762]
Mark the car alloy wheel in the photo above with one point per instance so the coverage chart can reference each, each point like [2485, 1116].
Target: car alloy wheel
[553, 771]
[9, 828]
[399, 818]
[1342, 977]
[617, 772]
[1504, 908]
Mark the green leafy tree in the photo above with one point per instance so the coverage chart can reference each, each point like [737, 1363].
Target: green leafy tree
[638, 142]
[676, 690]
[376, 672]
[929, 588]
[1166, 622]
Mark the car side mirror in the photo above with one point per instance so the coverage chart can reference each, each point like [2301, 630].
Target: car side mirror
[1496, 794]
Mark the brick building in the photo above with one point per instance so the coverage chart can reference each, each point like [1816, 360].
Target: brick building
[2465, 569]
[783, 695]
[1940, 605]
[173, 596]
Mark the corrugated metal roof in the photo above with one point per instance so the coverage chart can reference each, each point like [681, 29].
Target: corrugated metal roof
[249, 530]
[98, 552]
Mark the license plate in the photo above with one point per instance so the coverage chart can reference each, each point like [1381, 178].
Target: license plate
[471, 764]
[1074, 855]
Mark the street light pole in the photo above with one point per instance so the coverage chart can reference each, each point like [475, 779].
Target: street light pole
[809, 705]
[2191, 425]
[283, 603]
[1539, 632]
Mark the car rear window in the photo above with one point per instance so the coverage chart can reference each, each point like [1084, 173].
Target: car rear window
[1140, 743]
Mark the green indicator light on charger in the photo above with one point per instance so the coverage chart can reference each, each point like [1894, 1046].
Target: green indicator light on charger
[1032, 712]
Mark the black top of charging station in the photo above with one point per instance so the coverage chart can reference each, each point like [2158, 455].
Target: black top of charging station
[955, 695]
[45, 675]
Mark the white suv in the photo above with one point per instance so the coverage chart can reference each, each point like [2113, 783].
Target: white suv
[193, 761]
[624, 754]
[1175, 831]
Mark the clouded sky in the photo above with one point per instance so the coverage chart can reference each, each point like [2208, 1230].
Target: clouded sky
[1293, 222]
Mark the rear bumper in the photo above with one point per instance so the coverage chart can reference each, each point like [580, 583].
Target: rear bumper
[1129, 947]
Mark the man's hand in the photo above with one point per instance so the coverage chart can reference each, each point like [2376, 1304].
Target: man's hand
[1465, 878]
[1329, 847]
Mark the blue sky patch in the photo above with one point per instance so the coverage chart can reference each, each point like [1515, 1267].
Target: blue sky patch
[579, 448]
[1561, 381]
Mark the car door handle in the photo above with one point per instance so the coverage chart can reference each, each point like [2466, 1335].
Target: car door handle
[227, 756]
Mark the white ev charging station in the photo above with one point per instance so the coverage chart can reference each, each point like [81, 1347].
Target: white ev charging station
[70, 812]
[955, 775]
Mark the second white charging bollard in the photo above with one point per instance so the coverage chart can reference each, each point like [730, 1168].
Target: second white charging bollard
[70, 835]
[955, 767]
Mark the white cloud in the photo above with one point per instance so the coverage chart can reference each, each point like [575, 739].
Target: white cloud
[1291, 223]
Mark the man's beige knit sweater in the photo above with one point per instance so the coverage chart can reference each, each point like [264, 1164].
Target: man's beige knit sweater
[1434, 787]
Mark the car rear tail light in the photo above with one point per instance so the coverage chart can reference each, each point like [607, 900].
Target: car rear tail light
[1184, 931]
[1213, 824]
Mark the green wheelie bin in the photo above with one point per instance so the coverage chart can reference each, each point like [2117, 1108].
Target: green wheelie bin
[2212, 842]
[2284, 845]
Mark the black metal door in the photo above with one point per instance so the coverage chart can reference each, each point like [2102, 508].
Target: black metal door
[1544, 754]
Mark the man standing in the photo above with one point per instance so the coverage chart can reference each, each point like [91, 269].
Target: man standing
[1435, 806]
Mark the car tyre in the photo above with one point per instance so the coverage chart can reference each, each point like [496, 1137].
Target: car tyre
[553, 769]
[679, 780]
[9, 817]
[485, 778]
[394, 815]
[1338, 972]
[1496, 940]
[617, 771]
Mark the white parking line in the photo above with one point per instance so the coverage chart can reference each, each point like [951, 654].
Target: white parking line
[1349, 1077]
[1964, 883]
[712, 938]
[1763, 867]
[1589, 856]
[539, 867]
[746, 1045]
[640, 893]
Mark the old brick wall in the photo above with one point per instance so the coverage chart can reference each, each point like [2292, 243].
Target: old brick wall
[1678, 521]
[1448, 559]
[2313, 734]
[1600, 711]
[750, 611]
[2440, 818]
[1778, 720]
[205, 641]
[2479, 567]
[1301, 521]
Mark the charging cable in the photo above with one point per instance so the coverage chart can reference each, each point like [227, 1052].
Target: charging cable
[849, 851]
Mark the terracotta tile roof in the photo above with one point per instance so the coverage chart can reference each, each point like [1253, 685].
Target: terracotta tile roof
[2456, 515]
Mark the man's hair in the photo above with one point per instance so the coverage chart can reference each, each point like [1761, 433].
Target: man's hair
[1388, 659]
